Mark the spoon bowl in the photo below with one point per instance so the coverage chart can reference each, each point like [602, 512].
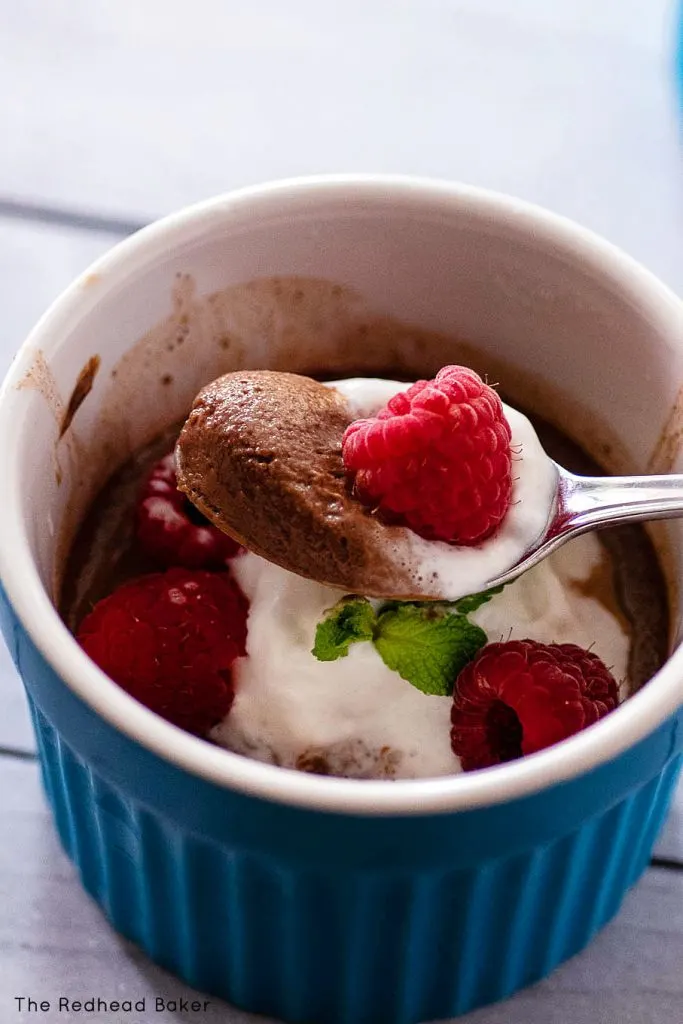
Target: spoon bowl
[261, 457]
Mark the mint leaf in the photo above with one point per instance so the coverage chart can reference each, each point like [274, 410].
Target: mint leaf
[348, 622]
[470, 604]
[426, 646]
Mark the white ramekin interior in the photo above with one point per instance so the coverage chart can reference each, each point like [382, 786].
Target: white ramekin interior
[299, 275]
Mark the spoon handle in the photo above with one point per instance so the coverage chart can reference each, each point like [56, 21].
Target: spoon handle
[587, 502]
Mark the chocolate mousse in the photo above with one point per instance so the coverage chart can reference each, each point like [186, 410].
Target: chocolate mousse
[260, 456]
[298, 698]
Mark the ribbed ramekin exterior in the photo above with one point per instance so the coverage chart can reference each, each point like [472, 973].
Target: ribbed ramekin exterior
[325, 919]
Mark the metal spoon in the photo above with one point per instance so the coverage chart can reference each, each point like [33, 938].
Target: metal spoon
[584, 503]
[260, 457]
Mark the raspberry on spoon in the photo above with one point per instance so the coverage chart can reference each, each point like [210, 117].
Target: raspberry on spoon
[172, 530]
[436, 457]
[519, 697]
[170, 639]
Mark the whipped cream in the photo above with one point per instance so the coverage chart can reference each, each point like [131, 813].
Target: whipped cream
[355, 716]
[358, 718]
[443, 570]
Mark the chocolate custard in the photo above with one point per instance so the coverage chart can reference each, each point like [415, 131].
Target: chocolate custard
[278, 500]
[629, 581]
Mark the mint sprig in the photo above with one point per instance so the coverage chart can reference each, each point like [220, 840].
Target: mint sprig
[425, 642]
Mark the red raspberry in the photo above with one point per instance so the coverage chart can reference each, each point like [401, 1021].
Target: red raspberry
[521, 696]
[169, 639]
[436, 458]
[172, 530]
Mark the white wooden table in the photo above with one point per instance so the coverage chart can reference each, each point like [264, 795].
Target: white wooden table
[111, 114]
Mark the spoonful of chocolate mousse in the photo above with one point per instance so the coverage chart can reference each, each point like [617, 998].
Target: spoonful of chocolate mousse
[425, 491]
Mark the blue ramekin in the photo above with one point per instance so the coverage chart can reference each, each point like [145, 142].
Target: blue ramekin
[317, 900]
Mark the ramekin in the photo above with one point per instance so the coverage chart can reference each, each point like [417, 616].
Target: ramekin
[318, 899]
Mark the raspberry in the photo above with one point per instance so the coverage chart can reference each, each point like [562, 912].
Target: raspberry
[436, 458]
[521, 696]
[170, 639]
[172, 530]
